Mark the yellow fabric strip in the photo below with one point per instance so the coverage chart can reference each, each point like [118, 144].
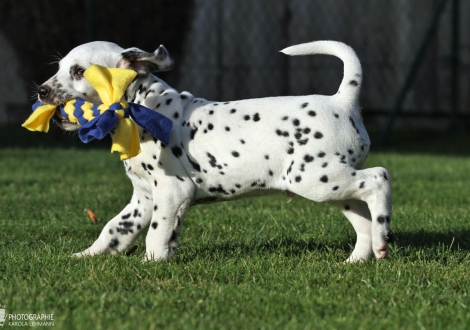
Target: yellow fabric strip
[110, 83]
[40, 118]
[126, 139]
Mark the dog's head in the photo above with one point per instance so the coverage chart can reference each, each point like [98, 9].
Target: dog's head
[68, 82]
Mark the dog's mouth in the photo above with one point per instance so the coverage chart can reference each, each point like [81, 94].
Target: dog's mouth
[65, 123]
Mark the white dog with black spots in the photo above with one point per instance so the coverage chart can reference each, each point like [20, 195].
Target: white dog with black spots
[313, 146]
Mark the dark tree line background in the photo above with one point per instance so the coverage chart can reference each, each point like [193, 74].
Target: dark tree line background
[41, 30]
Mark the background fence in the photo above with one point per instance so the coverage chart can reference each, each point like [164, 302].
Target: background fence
[229, 49]
[232, 51]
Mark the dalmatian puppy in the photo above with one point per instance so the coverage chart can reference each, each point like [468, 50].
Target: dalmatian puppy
[313, 146]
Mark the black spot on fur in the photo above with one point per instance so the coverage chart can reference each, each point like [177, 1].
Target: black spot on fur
[285, 118]
[295, 122]
[290, 167]
[218, 189]
[126, 216]
[304, 105]
[113, 243]
[256, 117]
[385, 176]
[168, 101]
[312, 113]
[212, 160]
[210, 126]
[233, 111]
[235, 154]
[246, 117]
[354, 125]
[227, 128]
[126, 224]
[362, 184]
[176, 115]
[290, 151]
[335, 187]
[144, 166]
[354, 83]
[154, 225]
[308, 158]
[193, 132]
[177, 151]
[318, 135]
[321, 154]
[324, 179]
[298, 178]
[195, 165]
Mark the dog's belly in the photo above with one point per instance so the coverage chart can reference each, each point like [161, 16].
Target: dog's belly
[254, 147]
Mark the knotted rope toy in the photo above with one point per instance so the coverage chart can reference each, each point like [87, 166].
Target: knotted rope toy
[97, 120]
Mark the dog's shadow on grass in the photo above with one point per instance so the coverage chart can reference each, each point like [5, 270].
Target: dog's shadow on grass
[452, 240]
[282, 245]
[291, 246]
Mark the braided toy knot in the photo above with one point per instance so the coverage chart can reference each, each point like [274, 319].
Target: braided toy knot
[97, 120]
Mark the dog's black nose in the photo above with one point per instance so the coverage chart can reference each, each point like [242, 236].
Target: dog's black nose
[390, 237]
[43, 91]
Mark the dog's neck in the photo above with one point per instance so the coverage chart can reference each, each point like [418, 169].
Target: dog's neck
[142, 84]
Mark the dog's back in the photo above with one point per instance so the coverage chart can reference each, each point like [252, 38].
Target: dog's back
[253, 146]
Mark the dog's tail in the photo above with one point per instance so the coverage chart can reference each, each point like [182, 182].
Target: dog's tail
[350, 86]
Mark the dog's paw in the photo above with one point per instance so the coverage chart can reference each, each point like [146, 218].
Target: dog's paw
[79, 255]
[355, 259]
[150, 257]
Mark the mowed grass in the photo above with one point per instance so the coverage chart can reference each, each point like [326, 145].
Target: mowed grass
[250, 264]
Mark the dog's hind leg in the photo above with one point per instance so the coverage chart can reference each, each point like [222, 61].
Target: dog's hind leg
[122, 230]
[371, 186]
[358, 214]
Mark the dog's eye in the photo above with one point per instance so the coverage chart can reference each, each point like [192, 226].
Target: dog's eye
[79, 72]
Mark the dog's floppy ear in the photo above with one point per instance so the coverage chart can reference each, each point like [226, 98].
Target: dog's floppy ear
[143, 62]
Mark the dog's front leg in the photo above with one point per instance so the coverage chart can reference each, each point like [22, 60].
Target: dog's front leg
[121, 231]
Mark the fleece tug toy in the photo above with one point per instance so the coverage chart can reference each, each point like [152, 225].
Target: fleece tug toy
[97, 120]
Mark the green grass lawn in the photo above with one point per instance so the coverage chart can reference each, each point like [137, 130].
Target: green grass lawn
[251, 264]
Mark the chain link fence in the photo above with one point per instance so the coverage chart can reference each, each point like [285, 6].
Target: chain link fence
[232, 51]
